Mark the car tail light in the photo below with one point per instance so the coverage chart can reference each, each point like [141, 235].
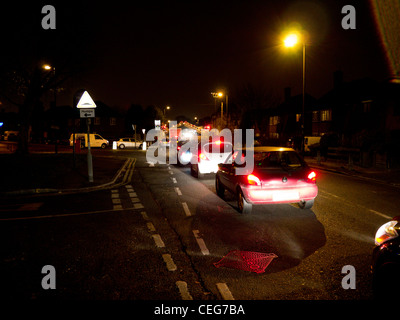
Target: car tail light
[312, 176]
[218, 142]
[253, 180]
[202, 156]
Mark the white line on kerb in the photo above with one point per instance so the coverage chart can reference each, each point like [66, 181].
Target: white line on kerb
[183, 289]
[201, 243]
[186, 209]
[178, 191]
[224, 291]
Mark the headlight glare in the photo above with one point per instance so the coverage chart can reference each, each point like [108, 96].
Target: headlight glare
[386, 232]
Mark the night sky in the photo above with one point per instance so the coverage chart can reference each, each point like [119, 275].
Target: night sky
[177, 52]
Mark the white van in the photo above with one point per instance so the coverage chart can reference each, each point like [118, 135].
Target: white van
[309, 141]
[96, 140]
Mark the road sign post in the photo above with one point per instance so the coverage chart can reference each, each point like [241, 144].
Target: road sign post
[86, 106]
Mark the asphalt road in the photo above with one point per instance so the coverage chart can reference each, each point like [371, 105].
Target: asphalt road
[159, 236]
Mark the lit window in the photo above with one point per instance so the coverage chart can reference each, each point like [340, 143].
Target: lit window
[326, 115]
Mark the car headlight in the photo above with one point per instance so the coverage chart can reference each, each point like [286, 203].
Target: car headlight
[386, 232]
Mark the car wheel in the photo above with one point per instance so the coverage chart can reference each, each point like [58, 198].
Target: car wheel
[219, 188]
[103, 146]
[196, 173]
[243, 206]
[121, 146]
[306, 204]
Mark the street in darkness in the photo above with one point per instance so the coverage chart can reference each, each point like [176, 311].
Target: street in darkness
[141, 240]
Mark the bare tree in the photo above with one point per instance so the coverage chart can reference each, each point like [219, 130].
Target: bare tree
[27, 48]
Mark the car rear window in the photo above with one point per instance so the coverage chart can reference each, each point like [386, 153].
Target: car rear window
[276, 159]
[222, 147]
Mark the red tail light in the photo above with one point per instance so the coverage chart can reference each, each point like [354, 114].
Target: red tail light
[253, 180]
[312, 176]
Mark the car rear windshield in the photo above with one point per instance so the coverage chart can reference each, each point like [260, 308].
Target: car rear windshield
[219, 147]
[275, 159]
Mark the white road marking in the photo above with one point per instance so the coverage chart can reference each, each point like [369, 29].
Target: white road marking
[151, 227]
[201, 243]
[158, 240]
[186, 209]
[132, 194]
[173, 180]
[138, 206]
[178, 191]
[144, 215]
[171, 266]
[183, 290]
[116, 201]
[380, 214]
[224, 291]
[344, 201]
[117, 207]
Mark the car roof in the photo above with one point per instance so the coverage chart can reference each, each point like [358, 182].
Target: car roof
[267, 148]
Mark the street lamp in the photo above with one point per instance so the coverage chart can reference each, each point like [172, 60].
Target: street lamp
[291, 40]
[217, 95]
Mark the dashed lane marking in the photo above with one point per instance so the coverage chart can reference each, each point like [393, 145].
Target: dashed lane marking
[178, 191]
[171, 266]
[203, 248]
[224, 291]
[151, 227]
[183, 290]
[157, 239]
[186, 209]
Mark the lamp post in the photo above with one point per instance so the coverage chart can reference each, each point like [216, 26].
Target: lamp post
[291, 40]
[217, 95]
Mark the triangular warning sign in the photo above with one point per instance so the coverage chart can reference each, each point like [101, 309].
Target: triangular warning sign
[86, 101]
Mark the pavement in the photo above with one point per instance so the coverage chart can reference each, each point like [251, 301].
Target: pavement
[40, 173]
[378, 174]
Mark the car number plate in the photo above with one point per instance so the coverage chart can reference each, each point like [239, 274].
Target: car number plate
[285, 195]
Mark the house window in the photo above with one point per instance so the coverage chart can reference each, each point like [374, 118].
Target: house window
[273, 121]
[113, 121]
[97, 121]
[326, 115]
[367, 106]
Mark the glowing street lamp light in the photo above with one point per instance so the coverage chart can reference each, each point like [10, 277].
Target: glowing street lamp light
[291, 40]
